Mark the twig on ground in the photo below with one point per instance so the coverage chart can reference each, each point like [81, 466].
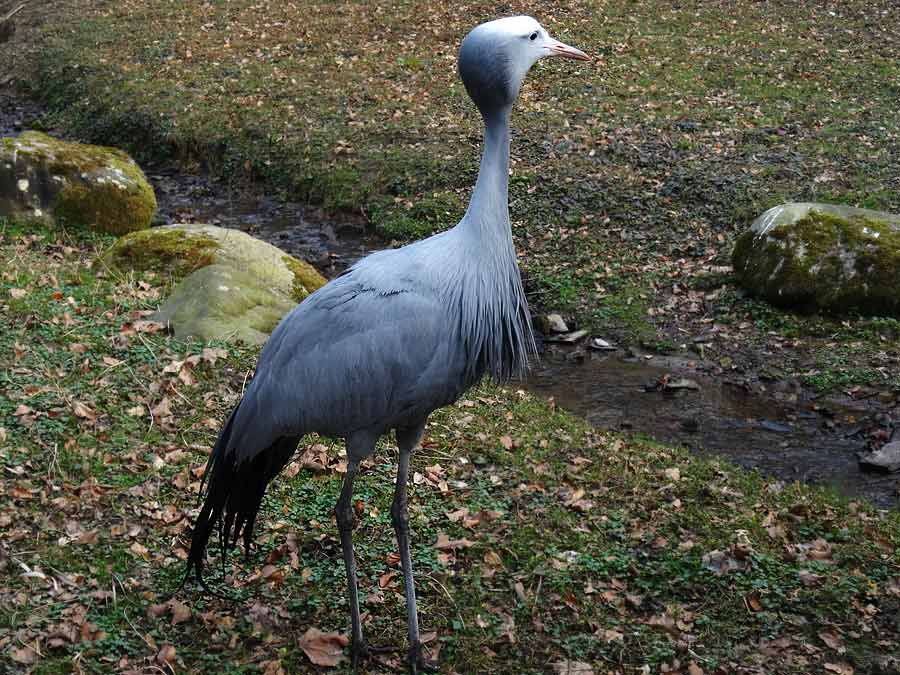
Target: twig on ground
[15, 10]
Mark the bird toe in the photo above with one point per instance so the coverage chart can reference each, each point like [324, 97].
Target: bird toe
[418, 663]
[363, 651]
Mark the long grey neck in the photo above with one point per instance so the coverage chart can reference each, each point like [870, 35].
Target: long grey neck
[488, 212]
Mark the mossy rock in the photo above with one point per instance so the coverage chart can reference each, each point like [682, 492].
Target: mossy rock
[179, 250]
[219, 302]
[823, 257]
[82, 185]
[230, 286]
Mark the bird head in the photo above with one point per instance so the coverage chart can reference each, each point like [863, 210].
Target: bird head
[495, 57]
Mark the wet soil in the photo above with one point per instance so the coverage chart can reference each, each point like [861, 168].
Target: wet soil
[777, 427]
[329, 243]
[16, 114]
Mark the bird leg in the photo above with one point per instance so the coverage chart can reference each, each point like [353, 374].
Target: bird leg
[407, 440]
[346, 521]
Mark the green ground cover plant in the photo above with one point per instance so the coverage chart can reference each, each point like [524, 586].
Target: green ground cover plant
[539, 543]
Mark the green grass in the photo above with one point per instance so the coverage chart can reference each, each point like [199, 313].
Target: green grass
[361, 109]
[637, 171]
[584, 547]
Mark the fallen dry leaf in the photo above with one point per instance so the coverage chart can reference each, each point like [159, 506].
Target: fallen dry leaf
[753, 602]
[833, 641]
[810, 578]
[673, 474]
[444, 543]
[180, 612]
[719, 563]
[840, 668]
[610, 635]
[323, 649]
[163, 408]
[167, 655]
[573, 668]
[493, 559]
[83, 411]
[147, 326]
[26, 655]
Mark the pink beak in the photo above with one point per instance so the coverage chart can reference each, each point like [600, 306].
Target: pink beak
[558, 48]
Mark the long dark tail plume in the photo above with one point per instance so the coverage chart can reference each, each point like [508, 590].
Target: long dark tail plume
[234, 492]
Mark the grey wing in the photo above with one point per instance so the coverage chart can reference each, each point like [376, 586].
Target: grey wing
[352, 358]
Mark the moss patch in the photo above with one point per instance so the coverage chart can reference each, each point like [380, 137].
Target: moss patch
[174, 251]
[107, 207]
[219, 302]
[306, 279]
[824, 262]
[86, 185]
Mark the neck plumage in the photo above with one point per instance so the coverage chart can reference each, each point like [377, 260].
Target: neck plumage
[494, 312]
[488, 212]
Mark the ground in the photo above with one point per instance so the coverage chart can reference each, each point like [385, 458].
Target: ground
[537, 541]
[631, 180]
[632, 176]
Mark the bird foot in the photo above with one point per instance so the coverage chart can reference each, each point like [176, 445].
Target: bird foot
[362, 652]
[417, 661]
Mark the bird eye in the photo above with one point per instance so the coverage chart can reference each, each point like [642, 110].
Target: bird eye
[533, 36]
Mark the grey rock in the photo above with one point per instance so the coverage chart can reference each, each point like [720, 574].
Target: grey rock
[219, 302]
[887, 458]
[82, 185]
[830, 257]
[554, 323]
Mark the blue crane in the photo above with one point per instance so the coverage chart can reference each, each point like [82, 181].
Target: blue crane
[400, 334]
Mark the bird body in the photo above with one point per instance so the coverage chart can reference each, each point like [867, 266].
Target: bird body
[400, 334]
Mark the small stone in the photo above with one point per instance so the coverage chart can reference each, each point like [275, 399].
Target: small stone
[569, 338]
[886, 459]
[554, 323]
[601, 345]
[682, 383]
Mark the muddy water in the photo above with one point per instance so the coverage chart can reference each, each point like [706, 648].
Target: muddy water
[783, 431]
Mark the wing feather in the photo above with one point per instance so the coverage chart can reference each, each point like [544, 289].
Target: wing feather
[352, 357]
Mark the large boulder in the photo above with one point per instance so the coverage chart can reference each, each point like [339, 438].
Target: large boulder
[229, 285]
[829, 257]
[179, 250]
[219, 302]
[82, 185]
